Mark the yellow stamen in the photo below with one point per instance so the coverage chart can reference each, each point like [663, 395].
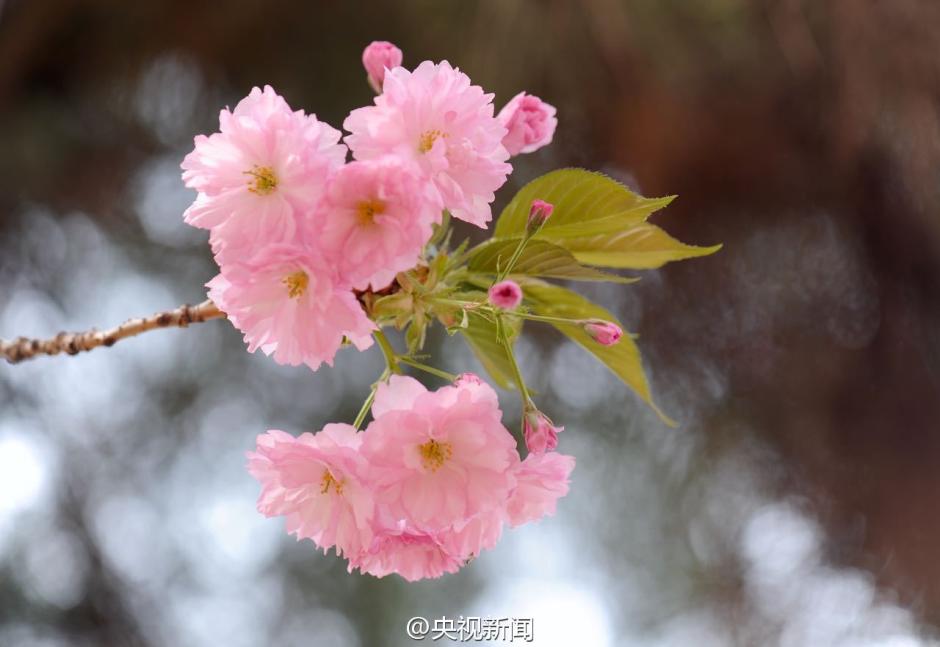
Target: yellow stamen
[327, 481]
[369, 209]
[264, 180]
[296, 283]
[427, 139]
[434, 454]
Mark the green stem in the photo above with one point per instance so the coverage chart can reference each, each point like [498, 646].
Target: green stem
[511, 355]
[479, 307]
[457, 303]
[547, 319]
[444, 375]
[361, 416]
[364, 409]
[504, 272]
[391, 360]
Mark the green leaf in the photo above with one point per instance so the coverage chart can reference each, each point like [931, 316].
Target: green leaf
[623, 358]
[585, 203]
[597, 219]
[639, 247]
[539, 258]
[480, 334]
[606, 225]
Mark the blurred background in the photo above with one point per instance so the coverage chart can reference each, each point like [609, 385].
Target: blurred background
[796, 504]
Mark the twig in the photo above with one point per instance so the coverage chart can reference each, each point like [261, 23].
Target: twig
[444, 375]
[23, 348]
[364, 409]
[391, 359]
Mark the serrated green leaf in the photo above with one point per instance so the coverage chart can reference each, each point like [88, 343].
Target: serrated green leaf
[585, 203]
[597, 219]
[480, 334]
[606, 225]
[539, 258]
[639, 247]
[623, 358]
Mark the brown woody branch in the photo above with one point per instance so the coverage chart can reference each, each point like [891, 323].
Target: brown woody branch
[23, 348]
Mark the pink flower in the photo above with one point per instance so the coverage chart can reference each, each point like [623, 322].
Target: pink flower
[413, 554]
[436, 119]
[469, 379]
[538, 214]
[480, 532]
[541, 479]
[378, 56]
[287, 300]
[506, 295]
[603, 332]
[530, 123]
[316, 482]
[267, 167]
[540, 432]
[438, 458]
[375, 221]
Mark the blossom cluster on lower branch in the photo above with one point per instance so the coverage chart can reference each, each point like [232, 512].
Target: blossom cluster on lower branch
[425, 488]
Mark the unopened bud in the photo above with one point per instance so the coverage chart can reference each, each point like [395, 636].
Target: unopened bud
[603, 332]
[541, 434]
[506, 295]
[538, 214]
[530, 123]
[378, 56]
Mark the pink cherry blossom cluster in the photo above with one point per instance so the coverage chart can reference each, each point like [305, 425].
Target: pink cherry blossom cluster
[302, 236]
[425, 488]
[297, 230]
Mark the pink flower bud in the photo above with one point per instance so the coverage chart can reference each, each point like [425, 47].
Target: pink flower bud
[506, 295]
[539, 213]
[376, 58]
[541, 434]
[530, 123]
[603, 332]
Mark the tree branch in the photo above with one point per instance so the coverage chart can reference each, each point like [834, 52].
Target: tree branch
[23, 348]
